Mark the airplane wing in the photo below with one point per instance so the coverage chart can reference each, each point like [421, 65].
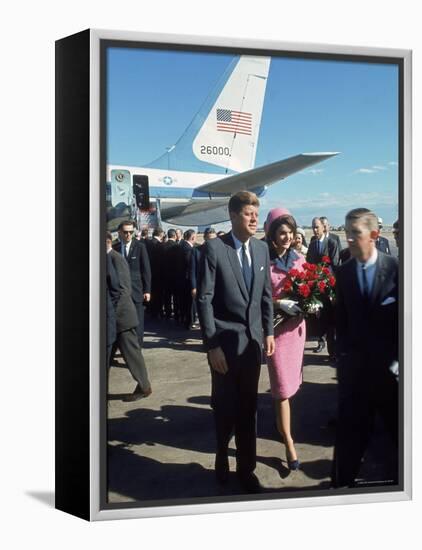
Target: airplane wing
[209, 211]
[195, 212]
[264, 175]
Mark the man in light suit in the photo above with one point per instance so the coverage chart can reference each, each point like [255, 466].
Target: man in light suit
[327, 233]
[235, 311]
[367, 345]
[321, 245]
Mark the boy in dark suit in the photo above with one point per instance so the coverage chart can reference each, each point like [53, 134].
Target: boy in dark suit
[235, 308]
[367, 345]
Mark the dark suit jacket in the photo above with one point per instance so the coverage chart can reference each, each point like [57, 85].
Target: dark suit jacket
[330, 248]
[169, 261]
[367, 335]
[126, 316]
[140, 269]
[229, 316]
[194, 266]
[155, 249]
[113, 295]
[383, 245]
[187, 251]
[345, 255]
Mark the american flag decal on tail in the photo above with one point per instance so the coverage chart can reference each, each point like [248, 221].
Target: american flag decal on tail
[234, 122]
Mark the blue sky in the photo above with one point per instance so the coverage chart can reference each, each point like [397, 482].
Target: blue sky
[310, 106]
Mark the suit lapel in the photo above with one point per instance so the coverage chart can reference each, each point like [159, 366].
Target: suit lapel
[130, 251]
[378, 280]
[255, 262]
[325, 251]
[354, 287]
[235, 264]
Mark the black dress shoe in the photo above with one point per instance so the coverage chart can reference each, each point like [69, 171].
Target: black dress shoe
[139, 393]
[250, 483]
[222, 468]
[320, 346]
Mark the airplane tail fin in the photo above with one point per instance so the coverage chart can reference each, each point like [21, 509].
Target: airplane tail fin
[223, 136]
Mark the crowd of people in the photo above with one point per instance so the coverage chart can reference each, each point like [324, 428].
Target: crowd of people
[233, 285]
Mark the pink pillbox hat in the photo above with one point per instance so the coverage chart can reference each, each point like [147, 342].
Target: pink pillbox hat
[273, 215]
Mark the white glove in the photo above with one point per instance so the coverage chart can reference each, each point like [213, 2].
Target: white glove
[288, 306]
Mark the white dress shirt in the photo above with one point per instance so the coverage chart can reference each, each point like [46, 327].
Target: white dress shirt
[238, 246]
[127, 245]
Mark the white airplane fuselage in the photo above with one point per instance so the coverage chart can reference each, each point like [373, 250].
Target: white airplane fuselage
[172, 184]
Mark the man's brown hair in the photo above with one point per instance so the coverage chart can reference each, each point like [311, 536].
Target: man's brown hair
[126, 222]
[365, 215]
[241, 199]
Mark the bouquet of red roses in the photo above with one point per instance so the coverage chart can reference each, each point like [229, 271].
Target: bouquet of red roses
[310, 286]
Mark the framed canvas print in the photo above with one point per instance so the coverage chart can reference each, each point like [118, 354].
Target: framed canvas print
[233, 274]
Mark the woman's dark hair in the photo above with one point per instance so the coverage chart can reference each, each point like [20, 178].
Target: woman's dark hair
[274, 227]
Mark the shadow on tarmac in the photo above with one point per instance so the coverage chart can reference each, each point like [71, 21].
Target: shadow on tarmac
[312, 409]
[180, 427]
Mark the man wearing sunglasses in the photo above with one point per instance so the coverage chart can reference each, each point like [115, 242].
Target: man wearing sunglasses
[136, 255]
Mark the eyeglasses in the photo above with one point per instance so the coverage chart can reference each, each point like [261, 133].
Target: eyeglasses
[128, 232]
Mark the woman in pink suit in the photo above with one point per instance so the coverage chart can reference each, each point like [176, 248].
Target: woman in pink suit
[285, 365]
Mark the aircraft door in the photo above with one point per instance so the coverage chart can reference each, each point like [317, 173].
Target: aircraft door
[141, 192]
[121, 192]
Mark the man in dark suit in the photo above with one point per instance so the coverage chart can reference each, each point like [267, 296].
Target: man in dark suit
[382, 243]
[140, 270]
[155, 254]
[171, 306]
[396, 232]
[187, 307]
[209, 233]
[112, 298]
[126, 319]
[235, 308]
[321, 246]
[367, 342]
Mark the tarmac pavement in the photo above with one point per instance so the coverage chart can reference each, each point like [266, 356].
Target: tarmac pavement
[162, 447]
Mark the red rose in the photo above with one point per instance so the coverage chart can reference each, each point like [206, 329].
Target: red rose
[293, 273]
[326, 270]
[322, 286]
[304, 290]
[332, 281]
[287, 285]
[311, 283]
[312, 267]
[326, 260]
